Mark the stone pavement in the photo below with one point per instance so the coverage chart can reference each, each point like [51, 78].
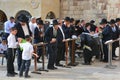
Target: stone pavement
[96, 71]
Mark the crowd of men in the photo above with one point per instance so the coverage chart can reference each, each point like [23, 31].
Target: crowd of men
[61, 30]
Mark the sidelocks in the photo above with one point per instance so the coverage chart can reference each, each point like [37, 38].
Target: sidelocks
[109, 43]
[36, 70]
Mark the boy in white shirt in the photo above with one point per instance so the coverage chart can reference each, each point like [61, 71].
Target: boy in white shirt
[26, 56]
[12, 45]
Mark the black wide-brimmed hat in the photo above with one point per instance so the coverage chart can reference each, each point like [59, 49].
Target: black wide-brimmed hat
[76, 22]
[55, 22]
[67, 19]
[117, 19]
[23, 18]
[39, 21]
[92, 21]
[104, 21]
[112, 21]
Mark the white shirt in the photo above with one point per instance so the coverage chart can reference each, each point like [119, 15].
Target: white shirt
[3, 48]
[12, 43]
[25, 30]
[62, 31]
[27, 50]
[32, 26]
[8, 25]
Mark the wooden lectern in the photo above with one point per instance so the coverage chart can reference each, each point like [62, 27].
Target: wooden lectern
[72, 63]
[36, 70]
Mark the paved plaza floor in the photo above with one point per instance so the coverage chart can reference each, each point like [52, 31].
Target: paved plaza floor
[96, 71]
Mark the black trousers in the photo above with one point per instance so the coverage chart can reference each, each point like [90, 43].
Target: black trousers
[114, 46]
[19, 58]
[105, 50]
[87, 55]
[52, 52]
[10, 60]
[60, 53]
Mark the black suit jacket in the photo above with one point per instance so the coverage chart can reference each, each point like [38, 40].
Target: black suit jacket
[59, 36]
[66, 31]
[49, 34]
[20, 32]
[37, 36]
[107, 33]
[115, 34]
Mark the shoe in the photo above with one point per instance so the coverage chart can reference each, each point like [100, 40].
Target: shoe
[20, 75]
[115, 56]
[10, 75]
[86, 64]
[55, 68]
[28, 76]
[113, 59]
[39, 61]
[15, 73]
[51, 68]
[59, 65]
[105, 61]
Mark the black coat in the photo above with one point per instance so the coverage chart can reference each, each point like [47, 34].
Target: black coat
[59, 36]
[37, 36]
[49, 34]
[78, 30]
[107, 33]
[66, 31]
[20, 32]
[115, 34]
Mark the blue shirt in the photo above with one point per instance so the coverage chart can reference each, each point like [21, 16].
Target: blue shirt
[8, 25]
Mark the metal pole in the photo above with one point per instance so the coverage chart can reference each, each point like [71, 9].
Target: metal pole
[110, 54]
[110, 66]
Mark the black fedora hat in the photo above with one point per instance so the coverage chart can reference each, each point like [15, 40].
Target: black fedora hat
[117, 19]
[112, 21]
[39, 21]
[77, 21]
[104, 21]
[55, 22]
[23, 18]
[92, 21]
[67, 19]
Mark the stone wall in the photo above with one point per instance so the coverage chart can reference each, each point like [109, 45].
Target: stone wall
[90, 9]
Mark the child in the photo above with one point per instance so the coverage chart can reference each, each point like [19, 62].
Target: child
[26, 56]
[12, 45]
[3, 48]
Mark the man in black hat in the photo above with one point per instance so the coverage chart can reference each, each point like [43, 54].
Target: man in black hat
[93, 27]
[51, 39]
[23, 29]
[107, 35]
[66, 27]
[115, 35]
[38, 36]
[66, 31]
